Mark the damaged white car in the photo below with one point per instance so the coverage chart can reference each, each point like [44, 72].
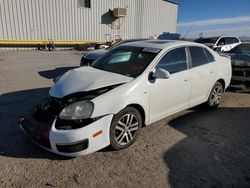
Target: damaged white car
[131, 86]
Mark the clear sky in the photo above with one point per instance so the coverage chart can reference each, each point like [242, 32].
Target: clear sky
[213, 17]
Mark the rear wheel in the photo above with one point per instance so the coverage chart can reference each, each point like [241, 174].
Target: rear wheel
[215, 95]
[125, 128]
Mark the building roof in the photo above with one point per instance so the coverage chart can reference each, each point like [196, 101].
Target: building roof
[170, 1]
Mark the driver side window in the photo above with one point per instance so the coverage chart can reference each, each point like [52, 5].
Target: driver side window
[174, 61]
[221, 42]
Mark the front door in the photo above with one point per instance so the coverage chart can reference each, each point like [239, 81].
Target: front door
[168, 96]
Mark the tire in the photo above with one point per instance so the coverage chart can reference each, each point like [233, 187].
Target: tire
[214, 96]
[125, 128]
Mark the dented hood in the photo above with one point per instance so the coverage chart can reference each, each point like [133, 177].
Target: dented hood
[85, 79]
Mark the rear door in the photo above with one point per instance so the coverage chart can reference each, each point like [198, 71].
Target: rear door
[203, 74]
[231, 42]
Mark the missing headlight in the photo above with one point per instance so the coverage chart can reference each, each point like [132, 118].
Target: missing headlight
[48, 110]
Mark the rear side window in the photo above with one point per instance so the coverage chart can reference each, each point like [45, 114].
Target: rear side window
[174, 61]
[198, 56]
[209, 55]
[231, 40]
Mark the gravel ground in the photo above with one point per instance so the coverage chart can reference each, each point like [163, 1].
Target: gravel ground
[194, 148]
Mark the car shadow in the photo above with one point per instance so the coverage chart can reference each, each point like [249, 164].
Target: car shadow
[215, 151]
[13, 142]
[52, 74]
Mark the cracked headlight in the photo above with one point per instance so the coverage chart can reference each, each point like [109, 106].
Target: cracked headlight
[78, 110]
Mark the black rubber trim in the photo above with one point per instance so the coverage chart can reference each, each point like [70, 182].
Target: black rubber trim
[72, 148]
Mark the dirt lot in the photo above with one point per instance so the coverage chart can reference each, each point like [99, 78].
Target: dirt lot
[195, 148]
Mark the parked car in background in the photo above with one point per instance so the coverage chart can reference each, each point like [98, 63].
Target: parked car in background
[132, 85]
[169, 36]
[223, 43]
[90, 56]
[240, 59]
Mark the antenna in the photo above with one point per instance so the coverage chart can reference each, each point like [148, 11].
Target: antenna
[188, 31]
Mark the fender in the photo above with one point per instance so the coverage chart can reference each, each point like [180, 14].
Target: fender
[113, 101]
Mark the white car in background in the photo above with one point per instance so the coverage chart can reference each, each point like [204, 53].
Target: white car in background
[223, 43]
[133, 85]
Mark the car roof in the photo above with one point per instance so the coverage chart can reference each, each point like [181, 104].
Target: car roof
[160, 44]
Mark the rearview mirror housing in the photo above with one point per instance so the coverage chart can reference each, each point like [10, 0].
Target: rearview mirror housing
[161, 73]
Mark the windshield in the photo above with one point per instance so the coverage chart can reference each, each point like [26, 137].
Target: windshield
[123, 42]
[241, 49]
[207, 40]
[114, 45]
[127, 60]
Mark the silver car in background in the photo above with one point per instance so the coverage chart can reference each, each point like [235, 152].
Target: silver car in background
[220, 43]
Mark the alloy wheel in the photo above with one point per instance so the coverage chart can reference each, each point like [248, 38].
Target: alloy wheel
[126, 129]
[216, 95]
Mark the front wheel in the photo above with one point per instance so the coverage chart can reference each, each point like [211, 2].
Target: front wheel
[215, 95]
[125, 128]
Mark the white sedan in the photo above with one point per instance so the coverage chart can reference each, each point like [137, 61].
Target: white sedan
[132, 86]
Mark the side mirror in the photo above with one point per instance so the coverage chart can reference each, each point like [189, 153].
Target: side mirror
[161, 73]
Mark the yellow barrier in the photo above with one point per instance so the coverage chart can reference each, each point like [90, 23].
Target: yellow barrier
[76, 42]
[23, 42]
[49, 44]
[46, 42]
[49, 41]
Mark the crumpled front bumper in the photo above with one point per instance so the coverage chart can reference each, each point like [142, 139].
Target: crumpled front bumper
[72, 143]
[38, 132]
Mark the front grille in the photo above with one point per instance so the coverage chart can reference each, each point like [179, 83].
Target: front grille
[247, 84]
[237, 73]
[242, 84]
[241, 73]
[62, 124]
[236, 82]
[248, 73]
[72, 148]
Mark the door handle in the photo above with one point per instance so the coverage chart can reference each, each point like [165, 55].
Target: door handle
[187, 79]
[211, 72]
